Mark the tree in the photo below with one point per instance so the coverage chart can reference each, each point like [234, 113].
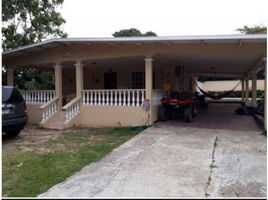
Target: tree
[26, 22]
[29, 21]
[253, 30]
[132, 32]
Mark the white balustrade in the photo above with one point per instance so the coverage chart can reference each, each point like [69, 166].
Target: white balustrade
[124, 98]
[72, 108]
[120, 98]
[49, 109]
[38, 96]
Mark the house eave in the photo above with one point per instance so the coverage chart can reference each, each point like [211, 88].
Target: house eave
[238, 38]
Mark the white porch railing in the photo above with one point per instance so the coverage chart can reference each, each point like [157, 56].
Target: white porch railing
[125, 97]
[49, 108]
[38, 96]
[72, 109]
[157, 96]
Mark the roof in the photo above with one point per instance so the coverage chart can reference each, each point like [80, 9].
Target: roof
[171, 39]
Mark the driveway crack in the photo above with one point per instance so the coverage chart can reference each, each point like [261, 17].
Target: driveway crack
[212, 165]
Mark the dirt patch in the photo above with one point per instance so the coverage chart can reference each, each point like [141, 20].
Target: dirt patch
[31, 135]
[33, 138]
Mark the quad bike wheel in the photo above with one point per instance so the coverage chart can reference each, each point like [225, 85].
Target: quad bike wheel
[187, 113]
[162, 114]
[194, 111]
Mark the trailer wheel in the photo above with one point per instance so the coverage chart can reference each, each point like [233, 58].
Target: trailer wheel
[187, 114]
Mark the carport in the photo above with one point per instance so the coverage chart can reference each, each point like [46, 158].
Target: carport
[219, 116]
[175, 61]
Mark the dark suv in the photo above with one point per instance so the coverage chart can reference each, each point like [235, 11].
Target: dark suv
[14, 111]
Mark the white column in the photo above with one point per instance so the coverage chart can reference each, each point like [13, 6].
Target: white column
[254, 89]
[247, 90]
[10, 76]
[149, 85]
[79, 79]
[58, 84]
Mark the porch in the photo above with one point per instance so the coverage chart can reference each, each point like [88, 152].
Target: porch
[98, 96]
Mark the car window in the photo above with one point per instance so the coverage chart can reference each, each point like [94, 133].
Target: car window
[11, 94]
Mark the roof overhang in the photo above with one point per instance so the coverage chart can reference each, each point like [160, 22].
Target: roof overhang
[237, 39]
[221, 55]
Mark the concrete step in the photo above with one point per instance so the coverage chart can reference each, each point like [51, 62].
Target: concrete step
[58, 121]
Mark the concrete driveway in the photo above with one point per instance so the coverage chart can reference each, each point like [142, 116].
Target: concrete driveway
[169, 161]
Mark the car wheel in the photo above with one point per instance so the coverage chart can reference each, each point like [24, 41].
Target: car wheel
[13, 133]
[161, 114]
[187, 114]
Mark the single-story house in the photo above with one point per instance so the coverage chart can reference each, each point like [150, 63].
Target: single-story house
[120, 81]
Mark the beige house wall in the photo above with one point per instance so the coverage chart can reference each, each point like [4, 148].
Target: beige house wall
[34, 113]
[102, 116]
[155, 113]
[94, 77]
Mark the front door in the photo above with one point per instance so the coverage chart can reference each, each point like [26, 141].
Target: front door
[110, 80]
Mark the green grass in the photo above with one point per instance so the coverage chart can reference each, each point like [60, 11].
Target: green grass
[29, 173]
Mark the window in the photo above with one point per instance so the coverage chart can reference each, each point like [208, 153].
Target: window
[138, 80]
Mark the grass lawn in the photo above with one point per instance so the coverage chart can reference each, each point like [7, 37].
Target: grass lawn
[32, 168]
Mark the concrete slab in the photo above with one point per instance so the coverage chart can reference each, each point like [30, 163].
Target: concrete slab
[219, 116]
[167, 161]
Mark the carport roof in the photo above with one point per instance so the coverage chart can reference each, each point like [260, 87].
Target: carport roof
[168, 39]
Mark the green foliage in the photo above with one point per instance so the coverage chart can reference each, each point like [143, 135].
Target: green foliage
[253, 30]
[29, 21]
[31, 79]
[132, 32]
[26, 22]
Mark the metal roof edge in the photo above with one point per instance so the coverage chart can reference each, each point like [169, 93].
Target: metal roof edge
[145, 39]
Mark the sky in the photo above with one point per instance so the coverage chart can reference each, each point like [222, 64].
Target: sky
[100, 18]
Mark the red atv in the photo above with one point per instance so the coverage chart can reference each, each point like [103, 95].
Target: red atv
[176, 105]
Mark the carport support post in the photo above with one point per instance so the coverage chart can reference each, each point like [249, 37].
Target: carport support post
[254, 89]
[58, 84]
[10, 76]
[149, 86]
[265, 95]
[247, 90]
[243, 90]
[194, 83]
[79, 79]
